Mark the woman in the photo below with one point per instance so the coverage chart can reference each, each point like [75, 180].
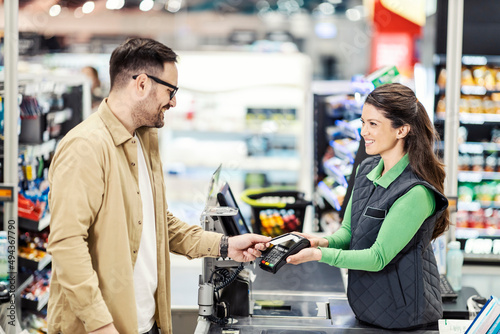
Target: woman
[396, 209]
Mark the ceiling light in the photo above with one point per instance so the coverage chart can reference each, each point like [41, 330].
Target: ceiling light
[173, 6]
[115, 4]
[78, 13]
[326, 8]
[146, 5]
[88, 7]
[55, 10]
[353, 14]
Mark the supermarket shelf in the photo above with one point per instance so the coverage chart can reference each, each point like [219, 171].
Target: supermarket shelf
[253, 164]
[470, 90]
[35, 305]
[24, 280]
[38, 150]
[34, 226]
[475, 177]
[482, 257]
[470, 60]
[35, 265]
[232, 134]
[283, 128]
[476, 205]
[471, 233]
[478, 148]
[468, 118]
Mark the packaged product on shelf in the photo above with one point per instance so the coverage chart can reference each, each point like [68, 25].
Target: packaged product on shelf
[491, 218]
[489, 79]
[463, 106]
[441, 81]
[491, 163]
[485, 192]
[464, 162]
[32, 254]
[495, 135]
[462, 134]
[477, 162]
[489, 106]
[475, 105]
[39, 287]
[497, 79]
[495, 97]
[478, 75]
[496, 198]
[462, 219]
[465, 192]
[476, 219]
[441, 105]
[467, 79]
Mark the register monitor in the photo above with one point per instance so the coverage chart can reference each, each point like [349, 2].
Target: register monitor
[233, 225]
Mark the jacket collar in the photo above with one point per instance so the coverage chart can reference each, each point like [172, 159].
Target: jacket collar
[118, 132]
[392, 174]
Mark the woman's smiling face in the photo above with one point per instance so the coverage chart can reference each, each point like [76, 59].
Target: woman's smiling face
[379, 135]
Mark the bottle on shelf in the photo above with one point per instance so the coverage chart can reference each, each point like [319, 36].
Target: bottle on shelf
[454, 263]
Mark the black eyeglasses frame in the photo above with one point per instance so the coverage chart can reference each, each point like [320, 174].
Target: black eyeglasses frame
[161, 82]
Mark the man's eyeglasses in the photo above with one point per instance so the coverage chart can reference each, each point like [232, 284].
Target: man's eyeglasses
[161, 82]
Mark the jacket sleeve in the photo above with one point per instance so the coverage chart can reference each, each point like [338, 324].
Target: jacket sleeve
[191, 240]
[76, 191]
[401, 224]
[341, 239]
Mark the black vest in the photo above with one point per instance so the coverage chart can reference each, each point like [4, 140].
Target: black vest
[406, 292]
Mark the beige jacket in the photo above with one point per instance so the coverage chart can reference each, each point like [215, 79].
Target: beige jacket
[95, 228]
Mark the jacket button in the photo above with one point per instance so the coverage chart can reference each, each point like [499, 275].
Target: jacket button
[140, 222]
[132, 163]
[133, 141]
[135, 251]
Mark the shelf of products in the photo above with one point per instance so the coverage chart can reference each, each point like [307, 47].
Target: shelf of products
[478, 216]
[49, 106]
[336, 141]
[36, 295]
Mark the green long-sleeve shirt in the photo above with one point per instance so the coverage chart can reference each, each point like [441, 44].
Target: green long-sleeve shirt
[403, 220]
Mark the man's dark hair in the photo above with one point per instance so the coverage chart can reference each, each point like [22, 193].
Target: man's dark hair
[136, 56]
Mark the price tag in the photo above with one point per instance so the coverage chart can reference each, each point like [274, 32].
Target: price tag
[6, 193]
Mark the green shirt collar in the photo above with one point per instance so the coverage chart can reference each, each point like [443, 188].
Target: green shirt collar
[393, 173]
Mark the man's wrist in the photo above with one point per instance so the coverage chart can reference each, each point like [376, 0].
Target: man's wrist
[224, 246]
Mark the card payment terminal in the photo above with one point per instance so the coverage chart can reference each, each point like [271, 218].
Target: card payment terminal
[282, 247]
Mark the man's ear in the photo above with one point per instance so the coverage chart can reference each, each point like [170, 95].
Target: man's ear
[141, 85]
[403, 131]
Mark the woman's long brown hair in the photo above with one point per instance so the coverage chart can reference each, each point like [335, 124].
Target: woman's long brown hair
[399, 104]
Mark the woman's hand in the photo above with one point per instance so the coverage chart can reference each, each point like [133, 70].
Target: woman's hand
[315, 241]
[305, 255]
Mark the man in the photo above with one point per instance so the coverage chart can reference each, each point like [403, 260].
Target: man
[111, 231]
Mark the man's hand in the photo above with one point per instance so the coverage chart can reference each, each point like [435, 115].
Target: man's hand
[108, 329]
[305, 255]
[247, 247]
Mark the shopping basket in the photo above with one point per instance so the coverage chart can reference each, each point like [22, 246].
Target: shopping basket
[276, 210]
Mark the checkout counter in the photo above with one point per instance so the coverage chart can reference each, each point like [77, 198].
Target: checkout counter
[309, 298]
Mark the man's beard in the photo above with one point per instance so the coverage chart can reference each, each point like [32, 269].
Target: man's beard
[143, 116]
